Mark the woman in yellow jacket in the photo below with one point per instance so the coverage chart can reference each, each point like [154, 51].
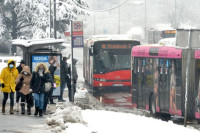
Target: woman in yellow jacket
[8, 77]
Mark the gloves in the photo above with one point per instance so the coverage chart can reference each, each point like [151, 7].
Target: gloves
[21, 79]
[2, 85]
[40, 74]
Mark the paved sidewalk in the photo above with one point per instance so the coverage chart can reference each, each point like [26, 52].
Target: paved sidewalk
[18, 123]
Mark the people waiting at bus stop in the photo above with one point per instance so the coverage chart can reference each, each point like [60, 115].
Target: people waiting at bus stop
[39, 78]
[64, 72]
[74, 78]
[19, 68]
[24, 79]
[7, 78]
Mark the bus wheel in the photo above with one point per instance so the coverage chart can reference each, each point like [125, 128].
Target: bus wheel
[152, 105]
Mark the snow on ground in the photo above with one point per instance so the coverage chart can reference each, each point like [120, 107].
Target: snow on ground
[69, 118]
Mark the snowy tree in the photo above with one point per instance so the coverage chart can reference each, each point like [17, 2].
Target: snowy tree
[2, 27]
[31, 17]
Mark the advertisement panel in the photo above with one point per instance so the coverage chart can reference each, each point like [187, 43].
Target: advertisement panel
[53, 62]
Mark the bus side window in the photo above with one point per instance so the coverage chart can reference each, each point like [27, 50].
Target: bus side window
[178, 70]
[149, 72]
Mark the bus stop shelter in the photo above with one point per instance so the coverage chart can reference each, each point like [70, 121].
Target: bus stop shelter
[47, 51]
[33, 46]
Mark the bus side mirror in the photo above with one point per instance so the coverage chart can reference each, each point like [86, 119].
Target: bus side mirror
[91, 51]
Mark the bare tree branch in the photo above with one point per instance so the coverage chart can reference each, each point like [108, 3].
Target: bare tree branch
[21, 23]
[24, 26]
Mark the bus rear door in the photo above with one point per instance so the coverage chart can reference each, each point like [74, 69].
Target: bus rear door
[164, 85]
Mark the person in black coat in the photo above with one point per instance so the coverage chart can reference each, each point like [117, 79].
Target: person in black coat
[40, 76]
[52, 68]
[74, 78]
[64, 72]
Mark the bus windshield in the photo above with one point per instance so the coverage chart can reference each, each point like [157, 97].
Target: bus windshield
[106, 61]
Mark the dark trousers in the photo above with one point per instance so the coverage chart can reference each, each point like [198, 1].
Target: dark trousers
[71, 91]
[63, 85]
[50, 95]
[46, 96]
[24, 98]
[17, 96]
[5, 98]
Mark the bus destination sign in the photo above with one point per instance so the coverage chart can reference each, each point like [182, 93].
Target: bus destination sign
[116, 46]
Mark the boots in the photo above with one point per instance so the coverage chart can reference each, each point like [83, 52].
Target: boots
[51, 101]
[11, 110]
[3, 109]
[22, 108]
[40, 112]
[28, 110]
[36, 111]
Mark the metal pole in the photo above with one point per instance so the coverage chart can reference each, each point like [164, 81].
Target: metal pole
[119, 17]
[145, 21]
[175, 13]
[49, 18]
[94, 24]
[94, 16]
[72, 56]
[187, 76]
[54, 24]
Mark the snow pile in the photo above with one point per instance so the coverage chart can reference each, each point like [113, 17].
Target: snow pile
[116, 122]
[65, 115]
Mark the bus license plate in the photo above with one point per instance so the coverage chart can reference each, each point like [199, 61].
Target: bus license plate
[118, 84]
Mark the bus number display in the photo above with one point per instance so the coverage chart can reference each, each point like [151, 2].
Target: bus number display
[170, 32]
[116, 46]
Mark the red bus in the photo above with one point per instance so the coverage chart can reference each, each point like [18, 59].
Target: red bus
[107, 62]
[158, 80]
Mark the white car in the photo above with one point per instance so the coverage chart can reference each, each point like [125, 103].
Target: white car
[167, 42]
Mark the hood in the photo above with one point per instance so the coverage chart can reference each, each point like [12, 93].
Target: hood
[74, 61]
[9, 61]
[26, 69]
[44, 65]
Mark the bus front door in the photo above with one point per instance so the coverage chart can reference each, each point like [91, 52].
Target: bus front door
[140, 83]
[164, 79]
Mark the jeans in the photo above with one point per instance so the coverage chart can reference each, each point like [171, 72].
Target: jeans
[63, 85]
[46, 94]
[39, 100]
[5, 98]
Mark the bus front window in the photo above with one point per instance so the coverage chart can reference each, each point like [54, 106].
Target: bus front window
[102, 61]
[119, 61]
[106, 61]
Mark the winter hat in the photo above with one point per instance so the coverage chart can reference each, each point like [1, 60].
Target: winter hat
[12, 62]
[22, 62]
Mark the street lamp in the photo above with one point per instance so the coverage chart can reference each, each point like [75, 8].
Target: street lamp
[54, 22]
[54, 18]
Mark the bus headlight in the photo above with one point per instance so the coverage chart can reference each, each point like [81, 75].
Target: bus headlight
[102, 80]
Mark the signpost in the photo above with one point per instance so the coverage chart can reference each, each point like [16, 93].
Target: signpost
[77, 31]
[76, 41]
